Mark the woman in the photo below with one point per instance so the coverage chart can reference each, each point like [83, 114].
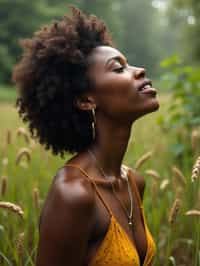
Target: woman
[80, 95]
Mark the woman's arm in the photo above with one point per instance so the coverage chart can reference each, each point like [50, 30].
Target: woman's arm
[66, 222]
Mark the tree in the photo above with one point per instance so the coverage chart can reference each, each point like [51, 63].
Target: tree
[186, 15]
[141, 33]
[18, 20]
[133, 25]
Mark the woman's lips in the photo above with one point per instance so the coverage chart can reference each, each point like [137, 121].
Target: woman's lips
[146, 88]
[150, 91]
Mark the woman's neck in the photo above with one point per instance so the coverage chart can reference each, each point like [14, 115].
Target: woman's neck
[110, 146]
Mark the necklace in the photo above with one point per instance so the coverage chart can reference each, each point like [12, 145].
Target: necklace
[124, 176]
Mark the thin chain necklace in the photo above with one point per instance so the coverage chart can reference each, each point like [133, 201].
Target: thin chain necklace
[124, 176]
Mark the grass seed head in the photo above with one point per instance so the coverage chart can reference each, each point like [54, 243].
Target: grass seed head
[195, 137]
[164, 184]
[143, 159]
[152, 173]
[21, 153]
[174, 211]
[36, 198]
[154, 189]
[4, 161]
[179, 175]
[32, 144]
[196, 170]
[179, 192]
[193, 213]
[20, 243]
[8, 136]
[12, 207]
[21, 131]
[4, 183]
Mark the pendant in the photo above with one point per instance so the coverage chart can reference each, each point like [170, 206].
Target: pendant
[130, 223]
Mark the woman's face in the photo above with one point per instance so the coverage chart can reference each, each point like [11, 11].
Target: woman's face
[121, 91]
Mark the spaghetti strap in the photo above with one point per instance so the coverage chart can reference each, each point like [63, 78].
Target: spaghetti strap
[139, 199]
[94, 184]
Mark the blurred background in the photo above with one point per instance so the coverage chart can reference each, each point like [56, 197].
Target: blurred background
[164, 37]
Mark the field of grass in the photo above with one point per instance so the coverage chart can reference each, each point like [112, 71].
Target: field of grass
[25, 182]
[7, 94]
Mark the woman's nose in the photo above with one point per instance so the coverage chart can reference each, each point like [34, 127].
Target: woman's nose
[139, 72]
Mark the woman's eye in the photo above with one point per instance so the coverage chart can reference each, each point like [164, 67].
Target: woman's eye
[119, 69]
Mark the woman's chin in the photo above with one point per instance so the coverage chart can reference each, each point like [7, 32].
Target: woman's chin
[155, 105]
[150, 107]
[152, 104]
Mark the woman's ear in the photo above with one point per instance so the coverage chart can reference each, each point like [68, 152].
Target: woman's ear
[84, 102]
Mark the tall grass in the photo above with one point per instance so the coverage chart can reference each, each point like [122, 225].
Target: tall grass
[26, 171]
[7, 94]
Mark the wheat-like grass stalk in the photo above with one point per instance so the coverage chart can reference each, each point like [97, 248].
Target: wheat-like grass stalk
[20, 243]
[179, 175]
[12, 207]
[179, 191]
[23, 164]
[21, 153]
[174, 211]
[193, 213]
[154, 188]
[196, 170]
[172, 261]
[164, 184]
[21, 131]
[8, 136]
[4, 161]
[152, 173]
[195, 137]
[4, 183]
[36, 198]
[143, 159]
[32, 144]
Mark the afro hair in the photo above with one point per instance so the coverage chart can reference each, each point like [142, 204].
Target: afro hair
[52, 74]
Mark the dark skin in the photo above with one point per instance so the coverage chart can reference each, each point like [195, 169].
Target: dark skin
[73, 220]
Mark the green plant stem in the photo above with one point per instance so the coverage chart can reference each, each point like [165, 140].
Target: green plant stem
[5, 258]
[168, 253]
[197, 262]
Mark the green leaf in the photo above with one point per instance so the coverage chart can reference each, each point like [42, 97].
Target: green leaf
[171, 61]
[5, 259]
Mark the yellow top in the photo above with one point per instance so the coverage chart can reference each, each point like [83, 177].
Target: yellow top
[116, 248]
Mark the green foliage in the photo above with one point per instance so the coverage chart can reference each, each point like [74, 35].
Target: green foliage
[142, 36]
[18, 20]
[184, 83]
[184, 111]
[185, 16]
[134, 29]
[134, 26]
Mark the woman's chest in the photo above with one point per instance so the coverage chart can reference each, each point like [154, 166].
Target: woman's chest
[135, 233]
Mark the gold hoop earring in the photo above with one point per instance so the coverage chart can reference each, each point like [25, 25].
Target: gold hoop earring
[93, 124]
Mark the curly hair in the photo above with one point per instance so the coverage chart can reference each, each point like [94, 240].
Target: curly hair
[52, 74]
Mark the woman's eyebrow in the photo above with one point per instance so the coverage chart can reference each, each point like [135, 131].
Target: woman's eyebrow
[117, 58]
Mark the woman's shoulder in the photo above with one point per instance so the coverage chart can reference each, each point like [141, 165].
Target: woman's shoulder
[70, 193]
[67, 219]
[71, 184]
